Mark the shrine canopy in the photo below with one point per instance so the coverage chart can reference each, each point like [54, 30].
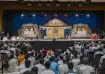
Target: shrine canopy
[55, 23]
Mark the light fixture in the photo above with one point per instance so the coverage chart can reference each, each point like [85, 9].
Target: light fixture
[45, 15]
[33, 15]
[76, 15]
[39, 4]
[29, 4]
[22, 15]
[48, 4]
[88, 15]
[57, 5]
[68, 5]
[56, 15]
[65, 14]
[80, 5]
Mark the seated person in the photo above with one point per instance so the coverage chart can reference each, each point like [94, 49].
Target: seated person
[70, 66]
[94, 36]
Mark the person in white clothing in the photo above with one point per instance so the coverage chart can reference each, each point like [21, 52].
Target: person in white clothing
[63, 68]
[12, 64]
[27, 65]
[40, 66]
[86, 69]
[33, 58]
[75, 61]
[103, 57]
[60, 62]
[47, 71]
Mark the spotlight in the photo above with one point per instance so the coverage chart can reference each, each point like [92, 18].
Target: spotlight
[22, 15]
[56, 15]
[33, 15]
[88, 15]
[76, 15]
[45, 15]
[65, 14]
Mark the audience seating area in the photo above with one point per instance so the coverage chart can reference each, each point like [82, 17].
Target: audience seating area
[78, 58]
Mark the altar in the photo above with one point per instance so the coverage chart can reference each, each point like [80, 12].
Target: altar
[29, 31]
[56, 28]
[81, 31]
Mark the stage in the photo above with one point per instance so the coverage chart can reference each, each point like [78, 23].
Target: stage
[54, 44]
[53, 29]
[42, 40]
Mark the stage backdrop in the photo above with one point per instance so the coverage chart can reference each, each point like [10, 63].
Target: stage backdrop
[18, 19]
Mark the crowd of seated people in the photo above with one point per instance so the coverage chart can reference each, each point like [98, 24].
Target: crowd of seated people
[81, 58]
